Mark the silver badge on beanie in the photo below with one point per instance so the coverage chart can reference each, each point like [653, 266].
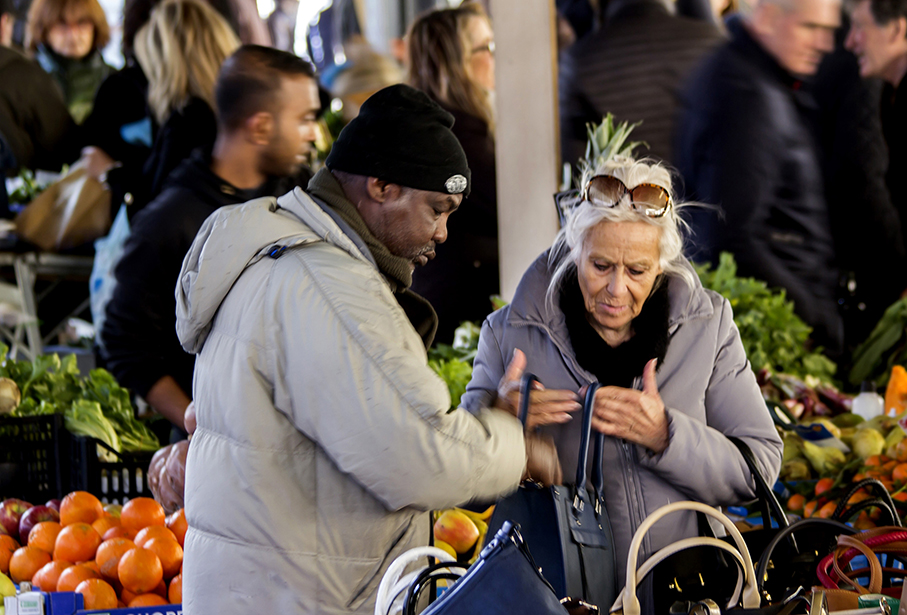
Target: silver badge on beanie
[456, 184]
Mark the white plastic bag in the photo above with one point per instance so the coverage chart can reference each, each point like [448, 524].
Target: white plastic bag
[108, 251]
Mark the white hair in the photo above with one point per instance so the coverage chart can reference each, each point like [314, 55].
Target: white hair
[585, 216]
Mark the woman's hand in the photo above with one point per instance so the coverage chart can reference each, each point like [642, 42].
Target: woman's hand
[635, 416]
[545, 406]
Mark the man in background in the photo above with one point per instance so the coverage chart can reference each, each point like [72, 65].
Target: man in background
[745, 143]
[267, 104]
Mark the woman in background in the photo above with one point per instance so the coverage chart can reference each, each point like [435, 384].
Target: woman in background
[67, 37]
[451, 58]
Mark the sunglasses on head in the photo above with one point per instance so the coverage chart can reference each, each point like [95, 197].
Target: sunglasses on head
[607, 191]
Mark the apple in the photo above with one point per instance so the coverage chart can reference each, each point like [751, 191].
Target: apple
[10, 512]
[457, 530]
[32, 517]
[55, 504]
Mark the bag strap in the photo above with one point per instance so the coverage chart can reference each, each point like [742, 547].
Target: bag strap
[585, 434]
[783, 534]
[630, 601]
[879, 540]
[848, 514]
[868, 484]
[875, 568]
[770, 506]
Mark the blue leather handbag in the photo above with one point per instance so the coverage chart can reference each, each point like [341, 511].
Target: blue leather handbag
[567, 526]
[502, 581]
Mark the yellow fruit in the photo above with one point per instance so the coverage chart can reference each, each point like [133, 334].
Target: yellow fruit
[6, 586]
[446, 548]
[457, 530]
[478, 516]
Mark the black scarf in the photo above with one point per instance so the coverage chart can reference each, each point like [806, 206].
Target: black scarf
[397, 271]
[620, 365]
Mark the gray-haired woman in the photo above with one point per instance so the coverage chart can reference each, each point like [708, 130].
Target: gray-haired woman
[615, 301]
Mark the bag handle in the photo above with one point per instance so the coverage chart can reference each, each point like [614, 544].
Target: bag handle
[770, 506]
[870, 484]
[783, 534]
[681, 545]
[879, 540]
[585, 434]
[628, 598]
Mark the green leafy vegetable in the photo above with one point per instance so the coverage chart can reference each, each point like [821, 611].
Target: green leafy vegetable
[774, 337]
[454, 363]
[95, 406]
[884, 348]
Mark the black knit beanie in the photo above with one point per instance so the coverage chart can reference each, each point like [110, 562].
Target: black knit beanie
[403, 137]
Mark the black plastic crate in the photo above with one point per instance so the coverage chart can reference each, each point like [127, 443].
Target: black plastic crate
[41, 460]
[114, 482]
[32, 451]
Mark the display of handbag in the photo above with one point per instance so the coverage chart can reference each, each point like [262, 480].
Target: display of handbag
[71, 212]
[786, 565]
[567, 526]
[700, 573]
[886, 543]
[503, 580]
[745, 598]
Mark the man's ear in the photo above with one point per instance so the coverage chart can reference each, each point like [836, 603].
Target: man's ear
[899, 31]
[260, 128]
[763, 17]
[380, 190]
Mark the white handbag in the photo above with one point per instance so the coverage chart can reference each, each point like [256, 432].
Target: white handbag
[394, 583]
[747, 589]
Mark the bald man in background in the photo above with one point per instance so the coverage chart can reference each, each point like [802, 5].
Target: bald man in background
[745, 143]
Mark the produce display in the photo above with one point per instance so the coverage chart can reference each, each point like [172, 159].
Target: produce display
[93, 406]
[885, 348]
[115, 556]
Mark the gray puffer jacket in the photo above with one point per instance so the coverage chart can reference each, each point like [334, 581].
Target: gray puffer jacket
[705, 381]
[323, 437]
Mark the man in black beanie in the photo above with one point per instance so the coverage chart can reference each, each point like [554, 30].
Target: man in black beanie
[322, 435]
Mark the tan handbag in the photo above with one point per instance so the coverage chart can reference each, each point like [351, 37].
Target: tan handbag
[747, 590]
[69, 213]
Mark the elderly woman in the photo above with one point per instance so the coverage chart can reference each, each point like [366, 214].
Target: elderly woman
[614, 301]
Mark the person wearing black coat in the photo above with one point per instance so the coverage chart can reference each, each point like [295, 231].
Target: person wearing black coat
[263, 134]
[633, 67]
[746, 144]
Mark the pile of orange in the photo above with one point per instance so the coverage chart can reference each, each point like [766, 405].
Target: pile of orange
[133, 558]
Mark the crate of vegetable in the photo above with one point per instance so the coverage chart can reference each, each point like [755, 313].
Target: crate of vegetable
[60, 432]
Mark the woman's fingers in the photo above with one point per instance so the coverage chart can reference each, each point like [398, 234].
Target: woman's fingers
[552, 406]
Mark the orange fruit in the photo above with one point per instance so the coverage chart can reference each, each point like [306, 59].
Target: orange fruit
[8, 546]
[899, 474]
[80, 507]
[175, 593]
[859, 496]
[169, 552]
[98, 594]
[863, 521]
[109, 554]
[796, 502]
[177, 524]
[77, 543]
[161, 589]
[102, 524]
[44, 535]
[74, 575]
[139, 513]
[140, 570]
[827, 510]
[118, 531]
[46, 578]
[810, 508]
[25, 562]
[126, 595]
[858, 477]
[876, 461]
[823, 485]
[147, 600]
[153, 531]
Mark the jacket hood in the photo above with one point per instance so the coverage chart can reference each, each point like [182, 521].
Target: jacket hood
[529, 306]
[235, 238]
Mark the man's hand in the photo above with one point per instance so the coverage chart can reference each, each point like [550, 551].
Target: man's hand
[97, 162]
[189, 418]
[545, 407]
[542, 464]
[635, 416]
